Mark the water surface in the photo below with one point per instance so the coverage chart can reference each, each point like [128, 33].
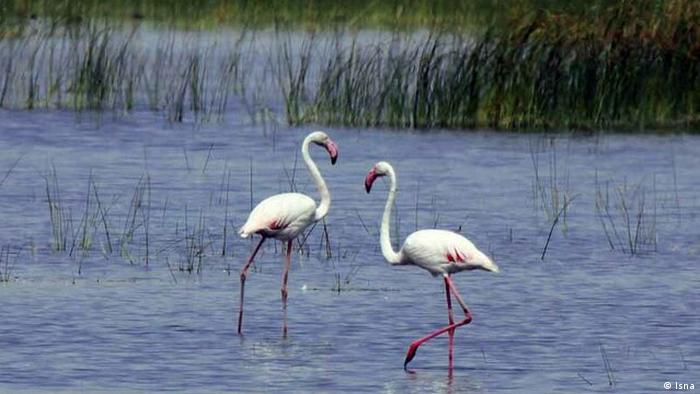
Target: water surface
[90, 320]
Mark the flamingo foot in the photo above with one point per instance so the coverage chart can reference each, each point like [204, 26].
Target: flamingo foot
[410, 354]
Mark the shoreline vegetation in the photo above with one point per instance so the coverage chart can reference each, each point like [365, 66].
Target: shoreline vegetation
[628, 65]
[294, 14]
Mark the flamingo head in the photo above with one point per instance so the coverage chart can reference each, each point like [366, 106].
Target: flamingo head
[380, 169]
[322, 139]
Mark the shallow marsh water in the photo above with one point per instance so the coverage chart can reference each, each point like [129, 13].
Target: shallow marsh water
[95, 321]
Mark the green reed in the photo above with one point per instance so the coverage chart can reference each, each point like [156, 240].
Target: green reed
[7, 262]
[627, 216]
[98, 66]
[59, 214]
[630, 65]
[188, 14]
[626, 65]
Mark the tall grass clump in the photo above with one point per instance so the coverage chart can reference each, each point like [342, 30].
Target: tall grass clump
[124, 225]
[196, 246]
[614, 65]
[631, 64]
[550, 191]
[191, 14]
[137, 219]
[103, 66]
[59, 214]
[6, 264]
[627, 217]
[94, 227]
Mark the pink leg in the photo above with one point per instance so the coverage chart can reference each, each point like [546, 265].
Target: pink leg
[283, 290]
[461, 302]
[451, 333]
[467, 319]
[244, 273]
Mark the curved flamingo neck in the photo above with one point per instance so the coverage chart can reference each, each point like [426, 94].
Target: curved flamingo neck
[384, 238]
[324, 206]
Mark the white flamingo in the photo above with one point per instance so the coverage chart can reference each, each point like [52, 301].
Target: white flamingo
[284, 216]
[440, 252]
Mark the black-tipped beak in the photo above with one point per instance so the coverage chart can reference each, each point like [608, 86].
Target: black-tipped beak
[369, 179]
[332, 149]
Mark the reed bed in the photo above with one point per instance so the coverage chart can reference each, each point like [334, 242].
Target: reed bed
[625, 65]
[188, 14]
[631, 65]
[135, 227]
[97, 66]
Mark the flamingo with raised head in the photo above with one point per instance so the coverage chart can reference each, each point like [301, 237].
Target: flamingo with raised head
[285, 216]
[440, 252]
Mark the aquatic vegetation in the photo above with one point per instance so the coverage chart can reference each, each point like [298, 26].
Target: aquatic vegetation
[61, 222]
[607, 365]
[628, 219]
[132, 227]
[7, 261]
[195, 247]
[101, 67]
[550, 192]
[628, 65]
[188, 14]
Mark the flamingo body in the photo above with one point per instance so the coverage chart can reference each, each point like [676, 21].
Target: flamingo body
[282, 216]
[440, 252]
[443, 252]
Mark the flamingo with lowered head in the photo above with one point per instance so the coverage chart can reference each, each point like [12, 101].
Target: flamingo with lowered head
[285, 216]
[440, 252]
